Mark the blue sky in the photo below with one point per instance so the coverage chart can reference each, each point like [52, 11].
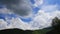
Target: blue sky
[26, 19]
[2, 16]
[52, 2]
[32, 1]
[35, 10]
[39, 19]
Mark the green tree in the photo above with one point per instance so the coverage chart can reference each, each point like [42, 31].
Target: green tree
[55, 21]
[56, 26]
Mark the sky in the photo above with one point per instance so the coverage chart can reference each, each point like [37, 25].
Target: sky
[28, 14]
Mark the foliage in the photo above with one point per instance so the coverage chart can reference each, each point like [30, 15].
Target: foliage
[56, 26]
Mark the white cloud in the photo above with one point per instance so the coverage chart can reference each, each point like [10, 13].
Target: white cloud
[5, 11]
[49, 8]
[3, 24]
[38, 3]
[41, 20]
[17, 23]
[56, 13]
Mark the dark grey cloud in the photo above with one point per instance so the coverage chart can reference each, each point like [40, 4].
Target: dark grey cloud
[20, 7]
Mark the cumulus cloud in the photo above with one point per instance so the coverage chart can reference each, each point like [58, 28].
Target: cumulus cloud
[20, 7]
[3, 24]
[40, 20]
[43, 19]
